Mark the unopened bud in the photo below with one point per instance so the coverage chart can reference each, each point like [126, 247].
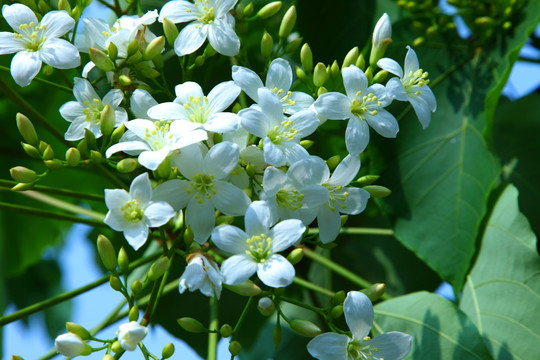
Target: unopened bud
[22, 174]
[133, 314]
[306, 57]
[149, 72]
[117, 133]
[266, 306]
[343, 219]
[377, 191]
[96, 156]
[247, 288]
[108, 118]
[115, 283]
[136, 287]
[268, 10]
[382, 37]
[288, 22]
[300, 74]
[64, 5]
[90, 138]
[73, 156]
[248, 10]
[380, 76]
[163, 170]
[43, 7]
[250, 169]
[293, 45]
[369, 74]
[351, 57]
[102, 61]
[112, 51]
[235, 348]
[54, 164]
[133, 47]
[76, 13]
[48, 154]
[333, 162]
[295, 256]
[154, 48]
[267, 45]
[375, 291]
[16, 357]
[158, 268]
[107, 357]
[31, 150]
[418, 41]
[170, 30]
[484, 21]
[507, 25]
[126, 165]
[78, 330]
[199, 61]
[106, 252]
[306, 144]
[305, 328]
[116, 347]
[321, 90]
[319, 74]
[226, 330]
[224, 220]
[367, 180]
[334, 70]
[188, 236]
[338, 298]
[192, 325]
[27, 130]
[123, 260]
[360, 62]
[336, 311]
[83, 147]
[277, 335]
[168, 351]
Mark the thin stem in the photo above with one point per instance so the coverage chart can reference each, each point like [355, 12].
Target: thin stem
[56, 191]
[302, 305]
[213, 336]
[50, 83]
[358, 231]
[153, 297]
[312, 286]
[29, 310]
[242, 316]
[112, 178]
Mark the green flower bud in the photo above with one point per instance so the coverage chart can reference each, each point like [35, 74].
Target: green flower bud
[351, 57]
[266, 306]
[149, 72]
[188, 236]
[112, 51]
[247, 288]
[277, 335]
[338, 298]
[78, 330]
[133, 313]
[507, 25]
[288, 22]
[22, 174]
[305, 328]
[108, 118]
[269, 9]
[375, 291]
[115, 283]
[485, 21]
[369, 74]
[199, 61]
[90, 138]
[306, 144]
[54, 164]
[306, 57]
[382, 37]
[360, 62]
[333, 162]
[300, 74]
[22, 187]
[43, 7]
[236, 108]
[123, 260]
[42, 146]
[321, 90]
[106, 252]
[367, 180]
[27, 130]
[117, 133]
[418, 41]
[64, 5]
[73, 156]
[124, 80]
[343, 219]
[248, 10]
[154, 48]
[96, 156]
[164, 169]
[47, 70]
[293, 45]
[107, 357]
[136, 287]
[235, 348]
[116, 347]
[377, 191]
[76, 13]
[192, 325]
[126, 165]
[31, 150]
[295, 256]
[133, 47]
[32, 5]
[101, 60]
[334, 70]
[170, 30]
[158, 268]
[224, 220]
[48, 154]
[226, 330]
[267, 45]
[168, 351]
[336, 311]
[380, 76]
[319, 75]
[83, 147]
[209, 51]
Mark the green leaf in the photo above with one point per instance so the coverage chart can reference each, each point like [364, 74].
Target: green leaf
[502, 293]
[439, 329]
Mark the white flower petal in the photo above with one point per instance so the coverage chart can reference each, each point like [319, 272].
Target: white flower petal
[224, 6]
[190, 38]
[255, 122]
[411, 61]
[121, 116]
[83, 91]
[237, 269]
[158, 213]
[311, 170]
[279, 75]
[221, 159]
[222, 122]
[354, 81]
[25, 65]
[276, 271]
[190, 161]
[329, 346]
[395, 88]
[17, 15]
[127, 146]
[9, 44]
[273, 180]
[178, 11]
[201, 218]
[333, 105]
[60, 54]
[391, 66]
[257, 219]
[305, 122]
[270, 106]
[329, 223]
[113, 98]
[384, 123]
[141, 102]
[358, 312]
[71, 110]
[222, 96]
[346, 171]
[187, 90]
[57, 23]
[141, 190]
[230, 239]
[294, 152]
[75, 130]
[223, 38]
[392, 345]
[355, 202]
[248, 81]
[152, 159]
[174, 192]
[166, 111]
[356, 136]
[229, 199]
[301, 101]
[274, 154]
[136, 235]
[286, 234]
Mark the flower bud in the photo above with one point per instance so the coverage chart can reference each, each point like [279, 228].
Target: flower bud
[42, 146]
[226, 330]
[305, 328]
[123, 260]
[48, 154]
[338, 298]
[343, 219]
[377, 191]
[367, 180]
[83, 147]
[293, 45]
[101, 60]
[235, 348]
[199, 61]
[266, 306]
[269, 9]
[31, 150]
[112, 51]
[90, 138]
[126, 165]
[375, 291]
[117, 133]
[136, 287]
[360, 62]
[54, 164]
[188, 236]
[64, 5]
[334, 70]
[149, 72]
[71, 345]
[380, 76]
[267, 45]
[115, 283]
[300, 74]
[382, 37]
[22, 174]
[306, 57]
[154, 48]
[321, 90]
[133, 48]
[295, 256]
[158, 268]
[130, 335]
[333, 162]
[22, 187]
[277, 335]
[248, 10]
[27, 130]
[336, 311]
[306, 144]
[192, 325]
[288, 22]
[73, 156]
[78, 330]
[168, 351]
[418, 41]
[108, 118]
[116, 347]
[247, 288]
[170, 30]
[224, 220]
[96, 156]
[107, 357]
[319, 74]
[106, 252]
[351, 57]
[133, 314]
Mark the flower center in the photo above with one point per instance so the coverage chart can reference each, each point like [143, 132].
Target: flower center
[32, 35]
[365, 104]
[197, 108]
[282, 133]
[285, 98]
[260, 246]
[160, 136]
[132, 212]
[207, 13]
[203, 184]
[93, 110]
[336, 196]
[357, 350]
[414, 80]
[290, 199]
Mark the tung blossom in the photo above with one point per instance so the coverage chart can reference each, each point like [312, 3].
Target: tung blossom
[71, 345]
[130, 335]
[201, 274]
[35, 42]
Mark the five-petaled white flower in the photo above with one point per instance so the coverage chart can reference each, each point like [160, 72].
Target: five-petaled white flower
[71, 345]
[130, 335]
[206, 189]
[358, 312]
[281, 135]
[278, 80]
[363, 105]
[85, 113]
[36, 41]
[201, 274]
[411, 85]
[255, 249]
[208, 19]
[134, 212]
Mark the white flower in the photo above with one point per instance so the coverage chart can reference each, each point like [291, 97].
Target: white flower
[201, 274]
[130, 335]
[208, 19]
[35, 42]
[134, 212]
[206, 189]
[363, 105]
[249, 155]
[278, 80]
[191, 105]
[85, 113]
[358, 312]
[412, 85]
[70, 345]
[255, 249]
[382, 37]
[281, 135]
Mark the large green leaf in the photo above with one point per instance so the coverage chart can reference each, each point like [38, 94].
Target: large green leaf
[502, 293]
[439, 329]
